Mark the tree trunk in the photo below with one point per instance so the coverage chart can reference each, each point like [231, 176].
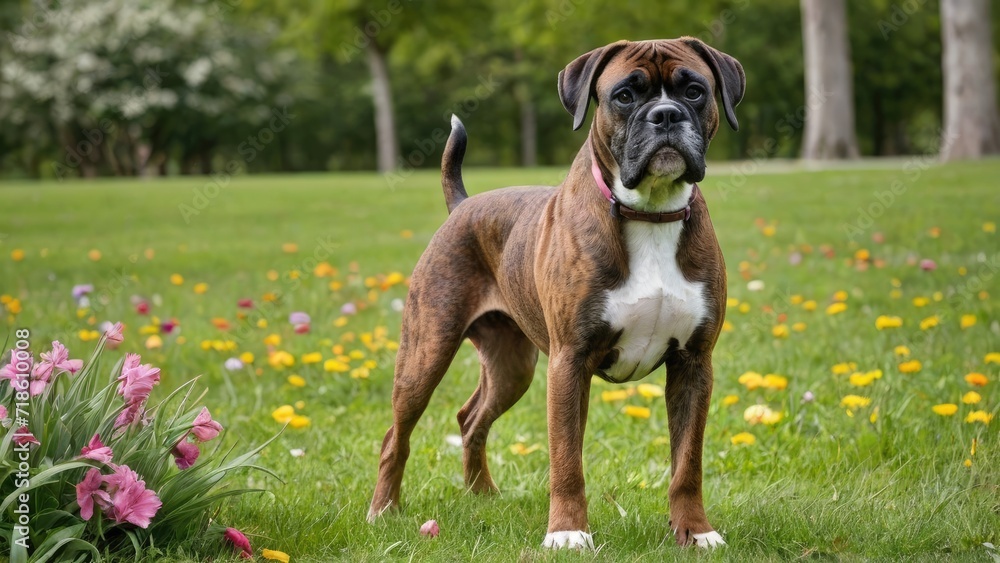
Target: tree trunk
[529, 127]
[385, 122]
[829, 129]
[971, 122]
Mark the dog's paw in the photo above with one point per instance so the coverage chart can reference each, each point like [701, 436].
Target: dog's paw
[708, 539]
[571, 540]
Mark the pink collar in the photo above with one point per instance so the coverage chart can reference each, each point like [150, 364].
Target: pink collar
[620, 210]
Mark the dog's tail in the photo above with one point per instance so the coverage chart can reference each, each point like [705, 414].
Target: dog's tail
[451, 165]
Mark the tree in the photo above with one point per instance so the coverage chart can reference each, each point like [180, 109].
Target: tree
[971, 122]
[829, 128]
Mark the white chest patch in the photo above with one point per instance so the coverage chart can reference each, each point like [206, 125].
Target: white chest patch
[656, 303]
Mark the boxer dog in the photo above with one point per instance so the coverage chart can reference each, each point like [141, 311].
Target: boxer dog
[613, 273]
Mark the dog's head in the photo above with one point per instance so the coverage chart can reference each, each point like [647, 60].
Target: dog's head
[656, 110]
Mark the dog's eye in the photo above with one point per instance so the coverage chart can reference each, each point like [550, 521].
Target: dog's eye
[694, 93]
[624, 97]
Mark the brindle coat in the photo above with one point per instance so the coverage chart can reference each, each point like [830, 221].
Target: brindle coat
[519, 270]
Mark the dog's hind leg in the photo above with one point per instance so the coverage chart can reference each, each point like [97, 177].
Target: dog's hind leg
[507, 361]
[433, 328]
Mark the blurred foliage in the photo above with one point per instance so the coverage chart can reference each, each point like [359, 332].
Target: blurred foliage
[67, 66]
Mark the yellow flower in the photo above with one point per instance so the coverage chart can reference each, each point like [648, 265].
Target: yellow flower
[650, 391]
[774, 381]
[743, 438]
[273, 275]
[971, 398]
[94, 255]
[855, 401]
[274, 555]
[874, 416]
[885, 321]
[732, 302]
[769, 230]
[930, 322]
[88, 335]
[727, 326]
[356, 355]
[270, 297]
[299, 421]
[289, 248]
[840, 296]
[979, 416]
[761, 414]
[272, 340]
[967, 321]
[945, 409]
[261, 323]
[335, 365]
[370, 364]
[809, 305]
[989, 227]
[300, 404]
[920, 301]
[976, 379]
[780, 331]
[154, 342]
[360, 373]
[312, 358]
[17, 255]
[799, 327]
[864, 379]
[283, 414]
[992, 358]
[844, 368]
[614, 395]
[520, 449]
[340, 321]
[730, 400]
[862, 254]
[751, 380]
[967, 462]
[796, 299]
[296, 381]
[636, 412]
[895, 294]
[835, 308]
[406, 233]
[744, 307]
[247, 357]
[281, 359]
[176, 279]
[901, 351]
[912, 366]
[937, 296]
[200, 288]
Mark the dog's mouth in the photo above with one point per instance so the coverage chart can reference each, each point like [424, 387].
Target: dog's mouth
[670, 158]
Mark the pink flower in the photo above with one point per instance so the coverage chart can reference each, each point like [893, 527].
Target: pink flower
[55, 362]
[168, 326]
[927, 265]
[10, 370]
[430, 528]
[88, 491]
[131, 501]
[3, 413]
[245, 303]
[23, 437]
[299, 318]
[204, 427]
[240, 542]
[142, 307]
[349, 309]
[302, 328]
[114, 335]
[81, 290]
[129, 414]
[96, 451]
[185, 453]
[136, 381]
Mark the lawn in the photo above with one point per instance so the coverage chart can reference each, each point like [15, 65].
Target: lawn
[843, 260]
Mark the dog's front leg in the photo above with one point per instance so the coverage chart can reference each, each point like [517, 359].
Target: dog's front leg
[568, 397]
[689, 392]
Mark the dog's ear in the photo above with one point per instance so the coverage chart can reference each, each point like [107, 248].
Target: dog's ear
[577, 80]
[729, 77]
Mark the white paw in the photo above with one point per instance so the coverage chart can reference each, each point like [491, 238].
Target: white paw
[572, 540]
[708, 539]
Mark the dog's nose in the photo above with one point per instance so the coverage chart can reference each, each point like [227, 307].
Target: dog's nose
[665, 115]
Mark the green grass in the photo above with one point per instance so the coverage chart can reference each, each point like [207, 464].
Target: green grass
[820, 483]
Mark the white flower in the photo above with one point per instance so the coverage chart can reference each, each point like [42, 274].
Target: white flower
[755, 285]
[234, 364]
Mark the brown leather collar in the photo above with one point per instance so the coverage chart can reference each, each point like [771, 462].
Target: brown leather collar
[620, 210]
